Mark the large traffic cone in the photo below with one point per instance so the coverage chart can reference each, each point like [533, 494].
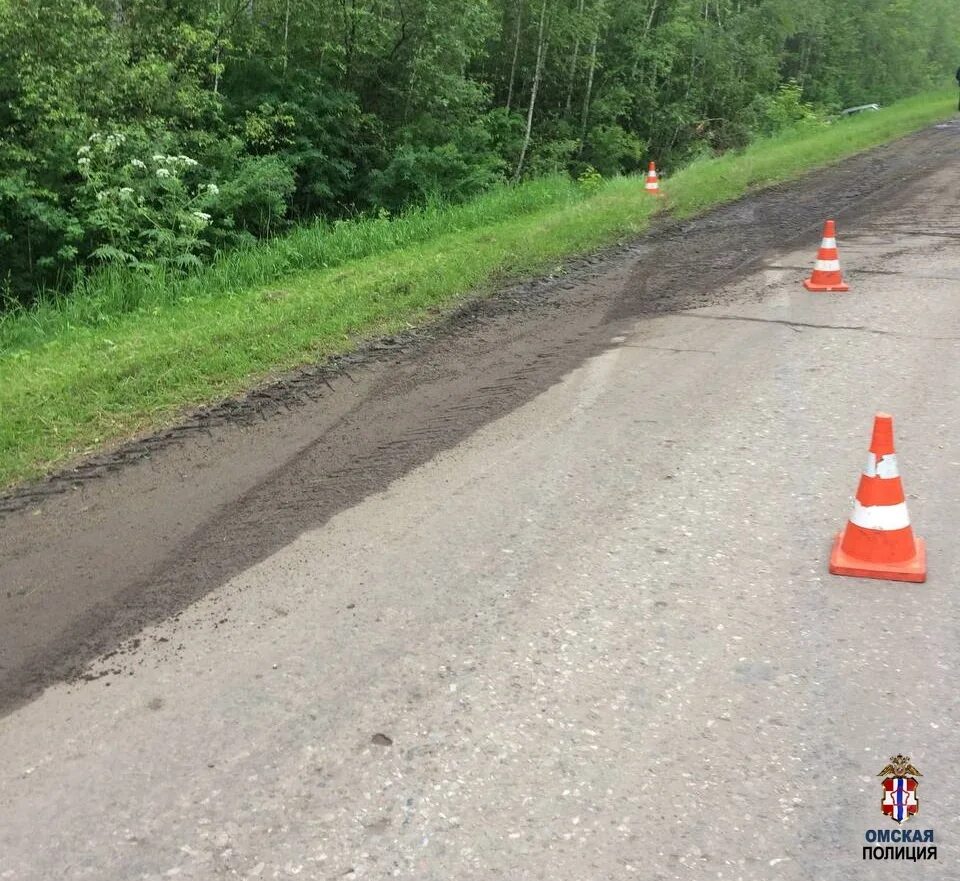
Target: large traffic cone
[826, 273]
[652, 185]
[878, 542]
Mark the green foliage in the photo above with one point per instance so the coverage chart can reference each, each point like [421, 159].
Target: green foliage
[612, 149]
[415, 175]
[297, 109]
[590, 180]
[130, 349]
[785, 109]
[255, 196]
[141, 212]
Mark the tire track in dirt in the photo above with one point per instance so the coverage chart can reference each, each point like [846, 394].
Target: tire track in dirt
[92, 555]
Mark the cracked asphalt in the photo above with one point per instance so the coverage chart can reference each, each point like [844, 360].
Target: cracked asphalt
[595, 639]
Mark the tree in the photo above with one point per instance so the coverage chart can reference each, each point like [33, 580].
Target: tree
[293, 109]
[537, 72]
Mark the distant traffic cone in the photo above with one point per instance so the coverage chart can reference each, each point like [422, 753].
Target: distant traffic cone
[652, 185]
[826, 273]
[878, 542]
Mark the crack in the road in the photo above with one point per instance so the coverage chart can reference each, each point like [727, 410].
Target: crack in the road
[667, 348]
[853, 271]
[800, 325]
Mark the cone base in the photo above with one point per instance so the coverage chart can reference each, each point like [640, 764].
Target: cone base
[914, 570]
[811, 285]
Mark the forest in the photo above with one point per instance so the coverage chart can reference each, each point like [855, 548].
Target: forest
[158, 133]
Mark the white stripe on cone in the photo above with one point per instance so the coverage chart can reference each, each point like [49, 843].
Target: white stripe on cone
[828, 265]
[828, 243]
[885, 467]
[883, 518]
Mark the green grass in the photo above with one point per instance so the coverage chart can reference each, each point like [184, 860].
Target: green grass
[124, 355]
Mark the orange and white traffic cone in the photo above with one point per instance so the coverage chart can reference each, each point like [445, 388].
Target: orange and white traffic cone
[826, 273]
[878, 542]
[652, 185]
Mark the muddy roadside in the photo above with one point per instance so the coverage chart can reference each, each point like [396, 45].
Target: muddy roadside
[90, 556]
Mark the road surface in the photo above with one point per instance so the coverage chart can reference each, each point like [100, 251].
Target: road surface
[592, 639]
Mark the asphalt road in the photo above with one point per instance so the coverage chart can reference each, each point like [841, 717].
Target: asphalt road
[595, 639]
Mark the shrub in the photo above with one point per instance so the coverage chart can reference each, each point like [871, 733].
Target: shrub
[141, 209]
[416, 175]
[612, 149]
[590, 180]
[774, 113]
[254, 195]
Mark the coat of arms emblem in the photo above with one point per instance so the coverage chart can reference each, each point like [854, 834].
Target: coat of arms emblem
[899, 789]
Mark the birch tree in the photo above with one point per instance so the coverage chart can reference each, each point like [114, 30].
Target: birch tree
[534, 87]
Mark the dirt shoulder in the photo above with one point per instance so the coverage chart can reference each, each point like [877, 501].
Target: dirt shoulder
[90, 556]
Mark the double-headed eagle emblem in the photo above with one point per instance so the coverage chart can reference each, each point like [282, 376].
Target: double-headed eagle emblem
[900, 785]
[900, 767]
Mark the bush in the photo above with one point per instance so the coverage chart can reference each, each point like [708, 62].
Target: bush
[590, 180]
[783, 110]
[612, 149]
[416, 175]
[551, 157]
[254, 195]
[139, 208]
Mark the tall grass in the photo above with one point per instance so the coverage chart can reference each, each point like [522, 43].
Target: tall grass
[113, 293]
[126, 353]
[787, 155]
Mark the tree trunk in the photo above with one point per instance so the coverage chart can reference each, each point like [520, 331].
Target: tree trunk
[585, 115]
[643, 40]
[573, 59]
[537, 71]
[286, 39]
[649, 24]
[516, 50]
[216, 54]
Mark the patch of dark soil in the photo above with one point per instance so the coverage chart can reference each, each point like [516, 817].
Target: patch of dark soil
[90, 556]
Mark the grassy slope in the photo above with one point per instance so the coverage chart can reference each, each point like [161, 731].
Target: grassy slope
[127, 355]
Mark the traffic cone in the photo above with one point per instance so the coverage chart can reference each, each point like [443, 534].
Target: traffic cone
[878, 542]
[826, 273]
[652, 185]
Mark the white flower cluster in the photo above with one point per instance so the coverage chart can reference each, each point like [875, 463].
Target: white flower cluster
[108, 142]
[169, 166]
[174, 161]
[165, 167]
[83, 158]
[115, 138]
[119, 193]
